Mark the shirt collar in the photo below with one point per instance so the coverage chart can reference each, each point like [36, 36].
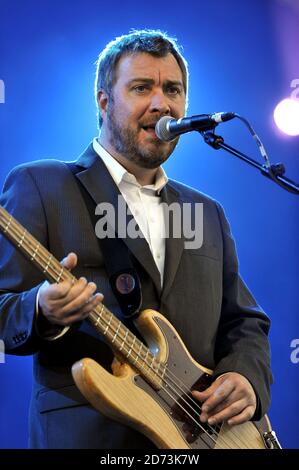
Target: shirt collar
[119, 173]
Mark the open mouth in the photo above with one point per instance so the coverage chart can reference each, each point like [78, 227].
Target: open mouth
[150, 129]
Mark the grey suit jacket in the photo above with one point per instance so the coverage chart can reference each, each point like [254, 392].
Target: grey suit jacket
[203, 296]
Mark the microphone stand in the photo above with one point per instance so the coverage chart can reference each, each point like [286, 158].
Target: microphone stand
[274, 172]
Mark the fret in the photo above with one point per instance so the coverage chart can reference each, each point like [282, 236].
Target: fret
[22, 238]
[35, 251]
[153, 360]
[138, 354]
[155, 367]
[100, 316]
[96, 324]
[48, 264]
[8, 224]
[96, 319]
[123, 343]
[107, 327]
[116, 333]
[144, 359]
[130, 350]
[144, 363]
[59, 275]
[157, 371]
[163, 371]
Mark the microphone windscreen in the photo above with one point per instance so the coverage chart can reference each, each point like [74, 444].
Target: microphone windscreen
[162, 130]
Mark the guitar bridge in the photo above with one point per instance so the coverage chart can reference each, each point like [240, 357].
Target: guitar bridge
[271, 441]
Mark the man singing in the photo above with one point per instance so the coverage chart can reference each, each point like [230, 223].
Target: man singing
[141, 77]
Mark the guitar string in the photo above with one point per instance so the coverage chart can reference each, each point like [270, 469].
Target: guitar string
[68, 274]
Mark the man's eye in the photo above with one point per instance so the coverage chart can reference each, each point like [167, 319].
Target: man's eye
[173, 90]
[140, 88]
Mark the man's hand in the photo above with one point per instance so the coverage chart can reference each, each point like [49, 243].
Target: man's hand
[66, 303]
[230, 398]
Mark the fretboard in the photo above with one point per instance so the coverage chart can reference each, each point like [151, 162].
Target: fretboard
[120, 338]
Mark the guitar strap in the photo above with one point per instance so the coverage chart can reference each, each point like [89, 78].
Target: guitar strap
[123, 277]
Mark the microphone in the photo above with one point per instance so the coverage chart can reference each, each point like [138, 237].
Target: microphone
[168, 128]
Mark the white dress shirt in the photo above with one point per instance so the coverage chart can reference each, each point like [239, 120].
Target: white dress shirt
[144, 203]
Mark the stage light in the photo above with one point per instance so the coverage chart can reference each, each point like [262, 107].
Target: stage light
[286, 116]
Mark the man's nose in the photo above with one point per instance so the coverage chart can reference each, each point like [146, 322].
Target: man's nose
[159, 102]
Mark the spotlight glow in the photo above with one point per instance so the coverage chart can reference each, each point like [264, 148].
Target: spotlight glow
[286, 116]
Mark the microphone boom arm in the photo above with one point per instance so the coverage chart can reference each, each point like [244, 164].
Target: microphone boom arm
[275, 172]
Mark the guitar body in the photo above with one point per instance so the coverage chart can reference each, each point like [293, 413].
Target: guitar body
[160, 412]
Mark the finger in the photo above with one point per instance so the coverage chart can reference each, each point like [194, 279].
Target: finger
[202, 396]
[95, 300]
[220, 394]
[205, 415]
[70, 261]
[80, 301]
[72, 293]
[242, 417]
[82, 313]
[234, 396]
[228, 412]
[53, 292]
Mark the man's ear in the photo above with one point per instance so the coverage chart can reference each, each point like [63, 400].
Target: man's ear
[102, 99]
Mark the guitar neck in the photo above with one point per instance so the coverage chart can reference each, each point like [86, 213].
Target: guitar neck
[120, 338]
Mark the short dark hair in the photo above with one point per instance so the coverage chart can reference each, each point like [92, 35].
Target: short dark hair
[154, 42]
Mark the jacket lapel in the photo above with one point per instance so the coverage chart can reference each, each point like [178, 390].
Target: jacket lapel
[174, 246]
[100, 185]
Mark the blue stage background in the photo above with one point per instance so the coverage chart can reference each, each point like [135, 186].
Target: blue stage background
[243, 57]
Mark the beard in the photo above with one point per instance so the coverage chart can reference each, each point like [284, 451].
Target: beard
[125, 141]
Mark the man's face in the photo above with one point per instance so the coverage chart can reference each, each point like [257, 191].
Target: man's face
[146, 88]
